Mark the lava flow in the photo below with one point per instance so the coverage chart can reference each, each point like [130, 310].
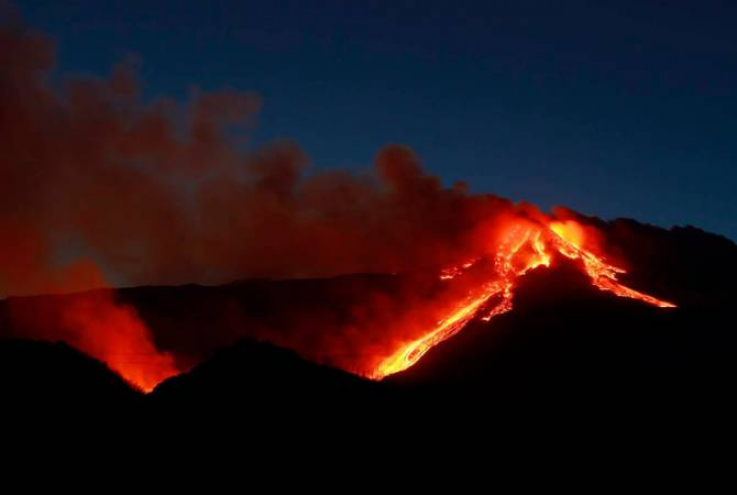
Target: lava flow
[525, 246]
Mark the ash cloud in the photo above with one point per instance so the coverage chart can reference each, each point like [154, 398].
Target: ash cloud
[163, 193]
[98, 188]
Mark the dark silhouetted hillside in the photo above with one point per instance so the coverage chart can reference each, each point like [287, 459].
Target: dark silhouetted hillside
[52, 377]
[250, 373]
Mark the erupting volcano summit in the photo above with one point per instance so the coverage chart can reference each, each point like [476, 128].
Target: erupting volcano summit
[525, 246]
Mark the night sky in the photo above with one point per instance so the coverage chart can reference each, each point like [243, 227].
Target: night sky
[622, 108]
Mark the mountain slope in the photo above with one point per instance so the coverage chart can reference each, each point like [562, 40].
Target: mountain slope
[562, 333]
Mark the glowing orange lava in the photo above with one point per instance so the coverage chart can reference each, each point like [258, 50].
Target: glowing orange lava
[525, 246]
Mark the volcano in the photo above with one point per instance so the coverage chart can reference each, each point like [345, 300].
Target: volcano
[547, 310]
[379, 279]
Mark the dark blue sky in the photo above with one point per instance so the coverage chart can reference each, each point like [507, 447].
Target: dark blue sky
[621, 108]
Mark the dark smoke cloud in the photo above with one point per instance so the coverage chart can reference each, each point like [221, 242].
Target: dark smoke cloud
[162, 192]
[99, 187]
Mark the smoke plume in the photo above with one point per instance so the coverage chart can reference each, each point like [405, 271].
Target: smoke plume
[97, 183]
[160, 192]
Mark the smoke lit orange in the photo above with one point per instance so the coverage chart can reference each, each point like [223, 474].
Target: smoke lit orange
[115, 334]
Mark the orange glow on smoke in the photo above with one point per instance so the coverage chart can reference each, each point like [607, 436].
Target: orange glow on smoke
[96, 323]
[114, 334]
[525, 246]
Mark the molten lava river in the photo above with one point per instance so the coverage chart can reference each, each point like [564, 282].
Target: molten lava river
[525, 246]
